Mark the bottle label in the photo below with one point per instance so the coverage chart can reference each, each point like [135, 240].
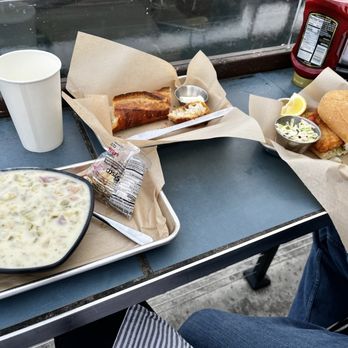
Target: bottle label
[316, 39]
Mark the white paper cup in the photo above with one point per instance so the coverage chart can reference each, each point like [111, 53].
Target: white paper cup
[30, 86]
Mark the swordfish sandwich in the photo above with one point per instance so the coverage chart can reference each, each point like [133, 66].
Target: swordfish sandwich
[332, 119]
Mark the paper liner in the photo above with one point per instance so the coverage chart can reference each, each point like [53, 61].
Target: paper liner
[326, 180]
[101, 69]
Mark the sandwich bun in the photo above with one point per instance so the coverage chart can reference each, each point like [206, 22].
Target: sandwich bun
[333, 110]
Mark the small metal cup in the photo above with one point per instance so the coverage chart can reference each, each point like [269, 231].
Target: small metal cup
[299, 147]
[190, 91]
[284, 101]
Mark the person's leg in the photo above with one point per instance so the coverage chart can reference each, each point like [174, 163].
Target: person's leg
[322, 296]
[217, 329]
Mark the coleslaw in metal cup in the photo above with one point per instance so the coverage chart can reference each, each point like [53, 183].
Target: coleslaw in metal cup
[296, 133]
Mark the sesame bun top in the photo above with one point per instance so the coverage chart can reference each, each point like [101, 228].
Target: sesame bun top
[333, 110]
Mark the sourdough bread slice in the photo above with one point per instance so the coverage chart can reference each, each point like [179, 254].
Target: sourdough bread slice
[137, 108]
[188, 112]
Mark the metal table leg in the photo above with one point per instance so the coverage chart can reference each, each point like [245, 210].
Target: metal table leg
[256, 276]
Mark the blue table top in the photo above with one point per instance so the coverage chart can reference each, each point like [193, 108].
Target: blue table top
[66, 292]
[236, 190]
[233, 181]
[13, 154]
[272, 84]
[222, 190]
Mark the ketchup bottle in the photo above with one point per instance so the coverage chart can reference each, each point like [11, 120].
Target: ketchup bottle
[322, 41]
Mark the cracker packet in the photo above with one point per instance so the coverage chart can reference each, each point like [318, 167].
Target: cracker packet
[117, 176]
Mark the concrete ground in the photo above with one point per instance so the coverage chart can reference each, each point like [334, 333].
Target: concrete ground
[227, 290]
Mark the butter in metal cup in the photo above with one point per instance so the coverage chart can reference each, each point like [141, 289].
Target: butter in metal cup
[190, 93]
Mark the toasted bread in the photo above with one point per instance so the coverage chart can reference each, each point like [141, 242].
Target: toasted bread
[137, 108]
[165, 92]
[188, 112]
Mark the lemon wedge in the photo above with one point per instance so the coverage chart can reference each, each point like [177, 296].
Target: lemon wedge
[296, 106]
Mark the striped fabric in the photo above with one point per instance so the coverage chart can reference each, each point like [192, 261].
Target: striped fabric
[144, 329]
[340, 327]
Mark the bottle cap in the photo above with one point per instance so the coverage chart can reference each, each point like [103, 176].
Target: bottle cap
[300, 81]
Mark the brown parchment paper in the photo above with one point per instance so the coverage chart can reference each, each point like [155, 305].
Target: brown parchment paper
[327, 180]
[100, 240]
[101, 69]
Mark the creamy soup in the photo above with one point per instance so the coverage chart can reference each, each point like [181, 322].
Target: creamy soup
[42, 214]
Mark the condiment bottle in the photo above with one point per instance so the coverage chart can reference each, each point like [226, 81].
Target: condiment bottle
[322, 41]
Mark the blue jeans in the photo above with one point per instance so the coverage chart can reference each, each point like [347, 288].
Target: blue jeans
[322, 296]
[321, 300]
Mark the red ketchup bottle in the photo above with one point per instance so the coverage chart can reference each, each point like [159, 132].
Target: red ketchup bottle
[322, 41]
